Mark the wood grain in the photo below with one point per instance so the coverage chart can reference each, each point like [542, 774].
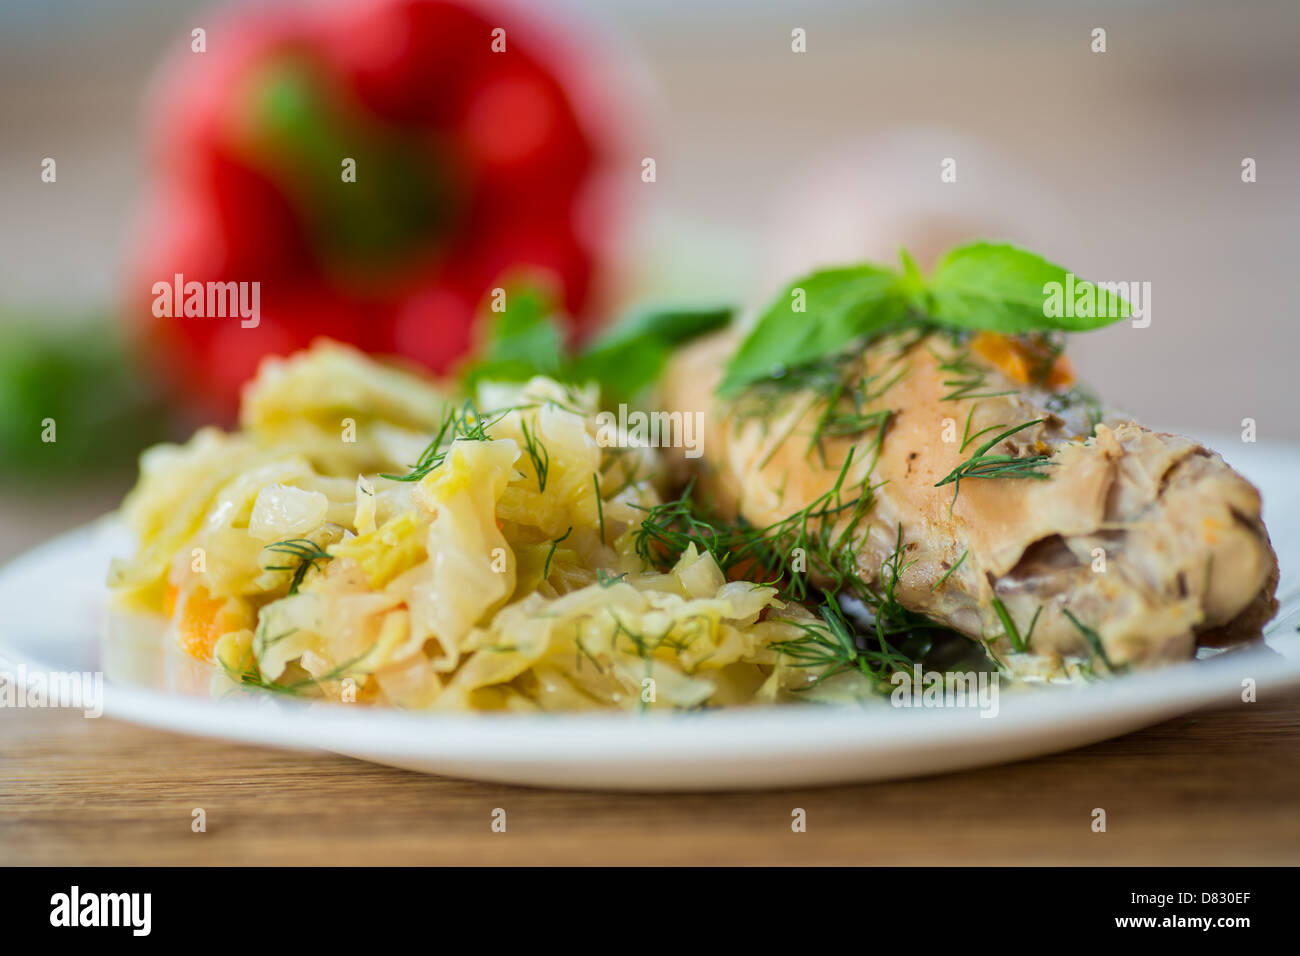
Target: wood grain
[1217, 787]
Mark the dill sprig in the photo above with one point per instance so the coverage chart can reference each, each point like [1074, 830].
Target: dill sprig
[581, 652]
[765, 397]
[250, 674]
[947, 574]
[832, 645]
[306, 551]
[1033, 623]
[831, 554]
[600, 507]
[892, 636]
[1018, 643]
[670, 528]
[537, 454]
[891, 619]
[253, 677]
[983, 465]
[967, 437]
[1093, 639]
[546, 569]
[464, 423]
[966, 378]
[839, 387]
[890, 629]
[844, 413]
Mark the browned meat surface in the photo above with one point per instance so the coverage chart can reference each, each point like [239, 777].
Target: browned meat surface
[1146, 538]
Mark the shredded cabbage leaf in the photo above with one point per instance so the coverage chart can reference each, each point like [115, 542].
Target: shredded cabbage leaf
[366, 535]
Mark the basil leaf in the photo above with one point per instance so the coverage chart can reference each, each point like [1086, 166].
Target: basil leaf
[527, 330]
[668, 326]
[81, 372]
[521, 341]
[840, 305]
[631, 354]
[1002, 288]
[527, 339]
[983, 285]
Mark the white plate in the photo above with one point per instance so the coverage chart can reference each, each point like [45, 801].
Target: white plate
[54, 619]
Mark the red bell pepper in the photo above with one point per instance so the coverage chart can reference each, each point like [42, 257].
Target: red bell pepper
[469, 161]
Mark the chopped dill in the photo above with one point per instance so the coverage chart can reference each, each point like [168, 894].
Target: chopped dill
[967, 437]
[638, 640]
[890, 628]
[464, 423]
[537, 454]
[583, 652]
[891, 618]
[1093, 639]
[670, 528]
[546, 570]
[983, 465]
[1018, 643]
[893, 637]
[1033, 623]
[600, 508]
[838, 385]
[832, 644]
[947, 574]
[966, 378]
[607, 580]
[251, 674]
[307, 552]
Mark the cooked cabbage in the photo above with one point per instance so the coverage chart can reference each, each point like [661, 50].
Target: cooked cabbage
[396, 547]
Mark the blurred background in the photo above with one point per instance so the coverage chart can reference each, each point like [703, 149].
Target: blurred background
[223, 164]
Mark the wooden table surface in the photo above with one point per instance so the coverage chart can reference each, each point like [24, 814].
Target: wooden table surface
[1218, 787]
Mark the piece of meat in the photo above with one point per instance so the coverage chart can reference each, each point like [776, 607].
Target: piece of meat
[1147, 539]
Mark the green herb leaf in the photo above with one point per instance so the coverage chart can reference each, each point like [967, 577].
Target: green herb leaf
[912, 282]
[984, 465]
[526, 339]
[1002, 288]
[631, 354]
[983, 285]
[1093, 639]
[1018, 643]
[306, 553]
[814, 316]
[464, 423]
[607, 580]
[546, 571]
[522, 340]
